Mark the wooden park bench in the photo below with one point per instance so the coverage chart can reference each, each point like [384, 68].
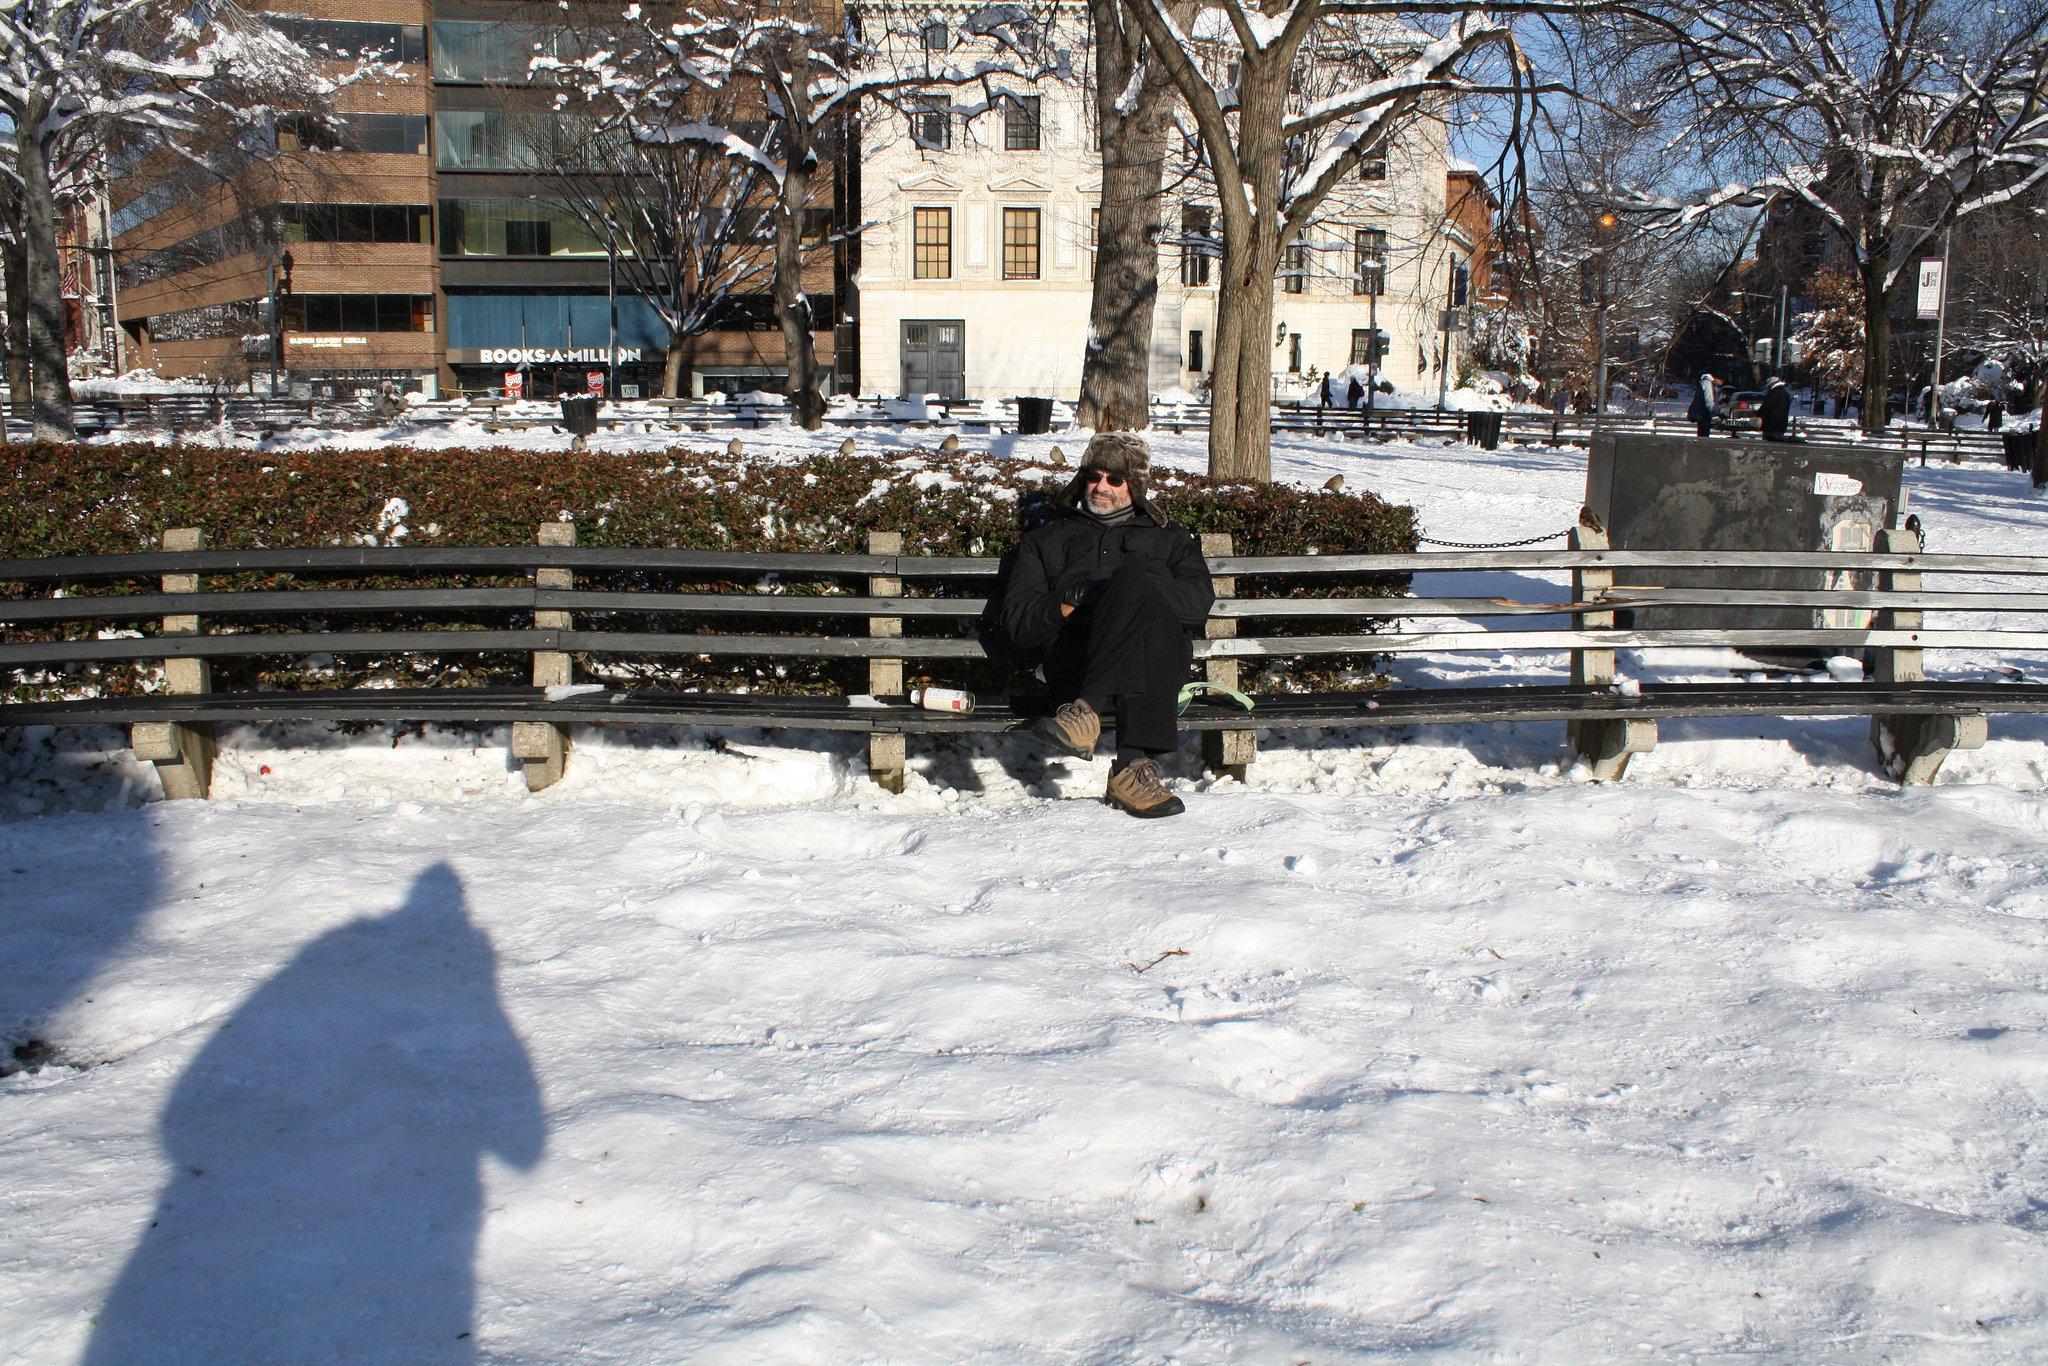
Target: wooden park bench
[885, 608]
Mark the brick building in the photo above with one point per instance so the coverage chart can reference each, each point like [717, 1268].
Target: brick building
[414, 239]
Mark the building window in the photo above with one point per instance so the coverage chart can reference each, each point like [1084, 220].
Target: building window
[358, 313]
[1195, 247]
[1294, 354]
[1094, 239]
[1373, 164]
[935, 37]
[1369, 269]
[817, 226]
[516, 227]
[931, 235]
[356, 222]
[1020, 244]
[1195, 352]
[1020, 123]
[386, 134]
[1294, 269]
[347, 38]
[1362, 349]
[479, 140]
[931, 122]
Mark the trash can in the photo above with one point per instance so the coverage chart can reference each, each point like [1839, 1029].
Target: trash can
[2019, 452]
[1483, 430]
[1034, 416]
[579, 415]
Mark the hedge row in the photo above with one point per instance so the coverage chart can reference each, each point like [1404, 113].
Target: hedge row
[72, 500]
[109, 499]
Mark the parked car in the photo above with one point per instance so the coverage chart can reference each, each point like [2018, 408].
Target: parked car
[1743, 409]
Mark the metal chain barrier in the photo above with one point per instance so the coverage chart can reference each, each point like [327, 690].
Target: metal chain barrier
[1491, 545]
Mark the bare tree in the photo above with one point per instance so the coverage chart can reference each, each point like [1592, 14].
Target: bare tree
[1275, 156]
[1134, 109]
[1887, 120]
[1998, 293]
[799, 84]
[682, 221]
[85, 79]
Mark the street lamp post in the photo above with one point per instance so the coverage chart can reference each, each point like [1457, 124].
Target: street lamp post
[611, 287]
[1603, 230]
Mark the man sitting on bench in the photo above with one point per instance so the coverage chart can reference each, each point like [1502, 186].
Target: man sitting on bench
[1107, 593]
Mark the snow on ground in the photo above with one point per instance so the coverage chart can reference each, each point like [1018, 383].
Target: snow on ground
[717, 1053]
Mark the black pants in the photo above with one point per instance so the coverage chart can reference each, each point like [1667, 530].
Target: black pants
[1705, 425]
[1125, 654]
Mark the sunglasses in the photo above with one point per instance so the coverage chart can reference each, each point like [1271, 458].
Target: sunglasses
[1115, 481]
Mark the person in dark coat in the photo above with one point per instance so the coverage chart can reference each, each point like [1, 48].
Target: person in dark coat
[1701, 413]
[1994, 416]
[1107, 594]
[1776, 412]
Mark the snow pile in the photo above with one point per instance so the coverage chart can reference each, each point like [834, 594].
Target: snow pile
[872, 1079]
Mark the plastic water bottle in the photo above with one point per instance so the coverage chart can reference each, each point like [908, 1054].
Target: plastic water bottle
[942, 699]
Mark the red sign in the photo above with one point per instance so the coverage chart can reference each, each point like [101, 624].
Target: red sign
[593, 382]
[515, 384]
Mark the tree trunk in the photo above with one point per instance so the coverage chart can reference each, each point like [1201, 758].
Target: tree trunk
[49, 378]
[1240, 401]
[791, 306]
[672, 368]
[14, 274]
[1877, 338]
[1117, 369]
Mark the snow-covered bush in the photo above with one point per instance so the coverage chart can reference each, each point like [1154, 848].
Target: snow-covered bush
[58, 500]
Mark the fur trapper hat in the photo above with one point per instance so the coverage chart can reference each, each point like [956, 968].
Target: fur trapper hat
[1123, 453]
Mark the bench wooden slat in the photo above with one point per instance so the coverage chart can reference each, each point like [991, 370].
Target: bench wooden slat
[293, 600]
[1543, 642]
[427, 559]
[137, 606]
[258, 644]
[1418, 706]
[252, 644]
[506, 559]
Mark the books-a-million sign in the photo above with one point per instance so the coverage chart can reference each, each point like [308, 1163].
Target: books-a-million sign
[540, 355]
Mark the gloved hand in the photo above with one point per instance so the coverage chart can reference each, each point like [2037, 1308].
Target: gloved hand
[1083, 592]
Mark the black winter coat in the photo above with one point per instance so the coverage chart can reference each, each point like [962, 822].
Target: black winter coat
[1057, 562]
[1776, 409]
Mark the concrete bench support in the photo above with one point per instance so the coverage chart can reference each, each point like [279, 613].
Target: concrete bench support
[1607, 743]
[1911, 747]
[1225, 751]
[541, 748]
[182, 753]
[886, 754]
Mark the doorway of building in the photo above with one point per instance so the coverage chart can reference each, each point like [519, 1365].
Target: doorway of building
[935, 358]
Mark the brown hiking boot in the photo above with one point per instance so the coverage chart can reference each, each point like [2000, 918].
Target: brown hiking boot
[1137, 789]
[1073, 729]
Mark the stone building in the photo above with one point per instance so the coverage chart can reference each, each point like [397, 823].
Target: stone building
[977, 252]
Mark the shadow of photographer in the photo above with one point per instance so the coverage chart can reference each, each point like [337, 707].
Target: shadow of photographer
[325, 1147]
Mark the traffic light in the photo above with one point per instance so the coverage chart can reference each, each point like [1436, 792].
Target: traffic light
[1461, 284]
[1376, 347]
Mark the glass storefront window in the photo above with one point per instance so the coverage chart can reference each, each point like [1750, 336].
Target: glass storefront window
[514, 227]
[359, 313]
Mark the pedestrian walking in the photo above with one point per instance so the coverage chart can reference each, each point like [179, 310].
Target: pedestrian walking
[1776, 412]
[1702, 410]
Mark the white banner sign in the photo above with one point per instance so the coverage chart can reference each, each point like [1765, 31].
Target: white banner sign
[1930, 288]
